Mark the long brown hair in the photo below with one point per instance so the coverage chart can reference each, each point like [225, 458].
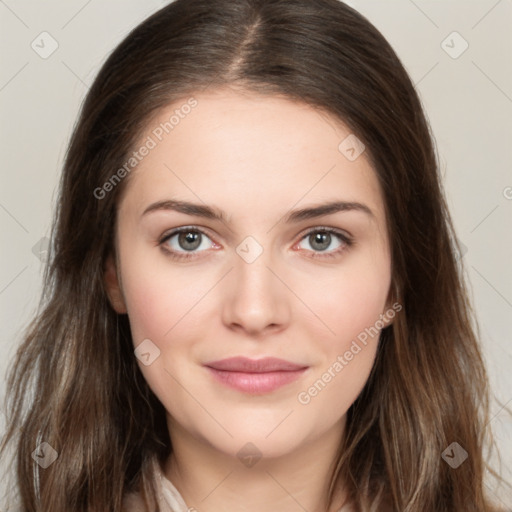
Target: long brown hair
[428, 387]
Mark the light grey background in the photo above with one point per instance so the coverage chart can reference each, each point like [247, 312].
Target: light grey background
[467, 97]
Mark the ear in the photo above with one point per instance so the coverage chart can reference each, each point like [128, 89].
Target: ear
[112, 285]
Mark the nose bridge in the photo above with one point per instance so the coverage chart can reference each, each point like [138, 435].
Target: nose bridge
[258, 297]
[252, 273]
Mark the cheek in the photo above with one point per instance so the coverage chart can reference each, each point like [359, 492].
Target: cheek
[329, 394]
[157, 300]
[149, 310]
[337, 306]
[160, 308]
[329, 317]
[350, 307]
[349, 303]
[348, 355]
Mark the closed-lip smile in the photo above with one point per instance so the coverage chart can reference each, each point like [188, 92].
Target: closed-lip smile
[255, 375]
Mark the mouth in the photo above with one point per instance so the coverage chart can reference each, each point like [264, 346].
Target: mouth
[255, 376]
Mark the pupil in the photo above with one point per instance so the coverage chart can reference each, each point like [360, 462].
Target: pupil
[320, 240]
[189, 238]
[323, 239]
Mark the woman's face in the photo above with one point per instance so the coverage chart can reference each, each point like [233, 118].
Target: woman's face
[263, 281]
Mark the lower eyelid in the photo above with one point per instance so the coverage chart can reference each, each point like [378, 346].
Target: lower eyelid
[172, 234]
[345, 240]
[345, 243]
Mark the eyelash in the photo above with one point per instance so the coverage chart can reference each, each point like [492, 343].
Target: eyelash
[347, 241]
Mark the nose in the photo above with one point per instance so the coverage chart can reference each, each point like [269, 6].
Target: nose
[256, 299]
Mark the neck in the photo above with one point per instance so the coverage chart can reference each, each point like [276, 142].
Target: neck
[212, 481]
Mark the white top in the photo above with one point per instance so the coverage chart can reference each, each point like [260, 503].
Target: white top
[169, 498]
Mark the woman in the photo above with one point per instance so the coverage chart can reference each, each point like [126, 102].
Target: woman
[290, 356]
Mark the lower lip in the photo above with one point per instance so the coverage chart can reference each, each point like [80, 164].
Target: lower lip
[256, 382]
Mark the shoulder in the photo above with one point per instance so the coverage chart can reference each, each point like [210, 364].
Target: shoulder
[167, 496]
[132, 502]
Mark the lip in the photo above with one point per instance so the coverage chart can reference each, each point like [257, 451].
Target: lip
[246, 365]
[255, 375]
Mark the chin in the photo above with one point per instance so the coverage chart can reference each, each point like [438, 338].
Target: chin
[258, 442]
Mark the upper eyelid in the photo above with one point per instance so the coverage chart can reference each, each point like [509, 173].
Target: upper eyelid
[336, 231]
[176, 231]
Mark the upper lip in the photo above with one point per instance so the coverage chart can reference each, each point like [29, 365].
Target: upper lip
[264, 365]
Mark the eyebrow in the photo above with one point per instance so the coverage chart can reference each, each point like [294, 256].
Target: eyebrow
[208, 212]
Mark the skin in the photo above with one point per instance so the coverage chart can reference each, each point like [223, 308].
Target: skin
[257, 158]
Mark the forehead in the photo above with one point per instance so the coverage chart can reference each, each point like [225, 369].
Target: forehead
[249, 151]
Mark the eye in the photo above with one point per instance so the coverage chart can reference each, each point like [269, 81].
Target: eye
[320, 239]
[182, 243]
